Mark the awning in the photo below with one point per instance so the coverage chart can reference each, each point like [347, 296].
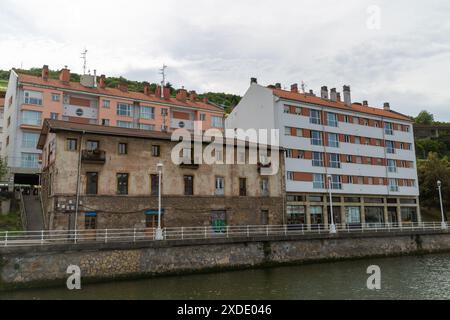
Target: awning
[90, 214]
[153, 212]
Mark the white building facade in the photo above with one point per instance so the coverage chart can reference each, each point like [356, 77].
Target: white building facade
[365, 155]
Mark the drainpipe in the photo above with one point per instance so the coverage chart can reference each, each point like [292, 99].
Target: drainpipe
[78, 183]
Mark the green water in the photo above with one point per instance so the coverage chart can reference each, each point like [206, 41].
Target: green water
[413, 277]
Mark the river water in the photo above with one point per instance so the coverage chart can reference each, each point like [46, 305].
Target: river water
[411, 277]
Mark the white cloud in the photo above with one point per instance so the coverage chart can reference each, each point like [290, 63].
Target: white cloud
[218, 45]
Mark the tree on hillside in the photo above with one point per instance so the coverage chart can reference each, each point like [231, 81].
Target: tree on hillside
[424, 117]
[429, 172]
[3, 169]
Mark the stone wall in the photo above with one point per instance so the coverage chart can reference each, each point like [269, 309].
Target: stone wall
[42, 266]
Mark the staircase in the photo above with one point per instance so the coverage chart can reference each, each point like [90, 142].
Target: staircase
[33, 212]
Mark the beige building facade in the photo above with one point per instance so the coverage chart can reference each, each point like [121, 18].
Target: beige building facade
[115, 172]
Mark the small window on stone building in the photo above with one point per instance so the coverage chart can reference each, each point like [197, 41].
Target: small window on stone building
[188, 185]
[265, 217]
[91, 182]
[123, 148]
[154, 184]
[90, 221]
[156, 150]
[122, 183]
[242, 187]
[72, 144]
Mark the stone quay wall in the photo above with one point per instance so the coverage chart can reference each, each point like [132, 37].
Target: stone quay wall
[47, 265]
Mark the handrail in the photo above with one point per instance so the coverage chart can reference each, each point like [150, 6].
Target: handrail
[22, 209]
[53, 237]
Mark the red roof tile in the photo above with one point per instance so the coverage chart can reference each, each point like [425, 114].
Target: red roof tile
[36, 80]
[339, 105]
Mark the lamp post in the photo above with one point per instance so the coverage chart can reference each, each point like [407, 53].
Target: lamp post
[332, 225]
[443, 223]
[159, 232]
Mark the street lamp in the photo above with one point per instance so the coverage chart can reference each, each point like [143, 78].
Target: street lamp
[332, 225]
[159, 232]
[443, 223]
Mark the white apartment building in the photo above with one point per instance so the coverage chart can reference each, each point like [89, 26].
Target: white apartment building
[365, 154]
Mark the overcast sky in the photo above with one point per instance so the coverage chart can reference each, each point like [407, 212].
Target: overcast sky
[217, 45]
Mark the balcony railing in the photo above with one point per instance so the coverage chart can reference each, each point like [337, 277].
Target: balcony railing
[93, 156]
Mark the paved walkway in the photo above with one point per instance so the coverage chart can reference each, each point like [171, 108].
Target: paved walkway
[33, 212]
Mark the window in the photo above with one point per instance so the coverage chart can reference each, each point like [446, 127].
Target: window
[90, 221]
[122, 183]
[296, 214]
[358, 160]
[316, 138]
[188, 185]
[393, 185]
[315, 117]
[220, 186]
[105, 122]
[164, 112]
[56, 97]
[219, 156]
[30, 140]
[370, 180]
[360, 180]
[242, 187]
[290, 175]
[350, 179]
[336, 182]
[388, 128]
[202, 117]
[30, 160]
[366, 122]
[124, 110]
[265, 217]
[147, 112]
[335, 160]
[33, 97]
[349, 158]
[353, 215]
[355, 120]
[298, 110]
[318, 181]
[287, 131]
[123, 148]
[317, 159]
[265, 186]
[33, 118]
[144, 126]
[390, 147]
[72, 144]
[106, 104]
[289, 153]
[91, 182]
[333, 140]
[332, 119]
[151, 219]
[347, 138]
[217, 122]
[316, 215]
[154, 184]
[287, 109]
[392, 165]
[124, 124]
[92, 145]
[368, 160]
[346, 118]
[9, 121]
[298, 132]
[54, 116]
[357, 140]
[156, 150]
[408, 214]
[378, 142]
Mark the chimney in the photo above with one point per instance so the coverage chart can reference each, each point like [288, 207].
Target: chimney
[158, 91]
[182, 95]
[338, 97]
[365, 103]
[278, 85]
[166, 93]
[324, 92]
[311, 92]
[347, 96]
[122, 87]
[294, 88]
[386, 106]
[205, 100]
[253, 81]
[102, 82]
[45, 72]
[64, 75]
[193, 96]
[146, 88]
[95, 78]
[333, 94]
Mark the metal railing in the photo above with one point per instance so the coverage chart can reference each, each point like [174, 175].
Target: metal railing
[54, 237]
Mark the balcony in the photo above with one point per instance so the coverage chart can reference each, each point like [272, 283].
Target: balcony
[93, 156]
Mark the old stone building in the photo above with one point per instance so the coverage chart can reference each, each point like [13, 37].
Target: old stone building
[116, 171]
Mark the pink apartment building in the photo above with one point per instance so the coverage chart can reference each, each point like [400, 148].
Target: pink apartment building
[31, 99]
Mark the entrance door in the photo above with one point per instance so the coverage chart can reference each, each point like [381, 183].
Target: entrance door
[219, 221]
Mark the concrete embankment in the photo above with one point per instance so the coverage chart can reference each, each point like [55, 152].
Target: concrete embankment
[40, 266]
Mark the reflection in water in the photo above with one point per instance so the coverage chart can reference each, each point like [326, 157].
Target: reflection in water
[415, 277]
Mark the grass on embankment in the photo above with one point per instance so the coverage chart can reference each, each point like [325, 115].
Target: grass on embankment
[10, 222]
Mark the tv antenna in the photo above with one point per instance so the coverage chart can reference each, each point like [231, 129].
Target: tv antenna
[304, 85]
[84, 57]
[163, 82]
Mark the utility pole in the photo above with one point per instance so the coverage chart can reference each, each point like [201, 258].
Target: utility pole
[84, 57]
[163, 82]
